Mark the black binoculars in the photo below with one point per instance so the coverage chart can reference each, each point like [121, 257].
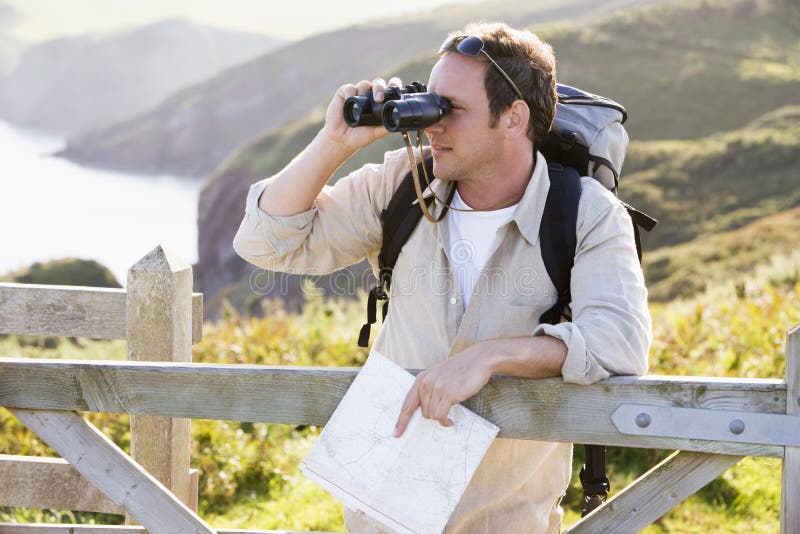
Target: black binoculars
[402, 109]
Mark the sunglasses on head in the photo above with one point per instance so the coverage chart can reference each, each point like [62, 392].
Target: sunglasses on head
[472, 46]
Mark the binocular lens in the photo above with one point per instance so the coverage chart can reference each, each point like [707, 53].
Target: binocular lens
[414, 112]
[355, 111]
[362, 111]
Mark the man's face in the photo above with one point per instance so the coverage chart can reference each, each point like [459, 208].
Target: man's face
[463, 143]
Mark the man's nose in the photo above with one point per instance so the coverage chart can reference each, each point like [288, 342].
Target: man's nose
[435, 128]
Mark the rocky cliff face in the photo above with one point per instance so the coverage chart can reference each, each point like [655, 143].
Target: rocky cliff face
[221, 208]
[222, 275]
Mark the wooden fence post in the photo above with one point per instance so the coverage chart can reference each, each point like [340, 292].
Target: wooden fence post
[790, 479]
[159, 328]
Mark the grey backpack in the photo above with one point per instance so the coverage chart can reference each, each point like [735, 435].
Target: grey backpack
[588, 135]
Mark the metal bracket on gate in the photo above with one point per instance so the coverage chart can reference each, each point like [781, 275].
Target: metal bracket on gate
[714, 425]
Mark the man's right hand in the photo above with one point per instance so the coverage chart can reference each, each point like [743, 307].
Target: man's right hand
[337, 130]
[294, 189]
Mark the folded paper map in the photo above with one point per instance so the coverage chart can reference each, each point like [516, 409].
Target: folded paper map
[409, 484]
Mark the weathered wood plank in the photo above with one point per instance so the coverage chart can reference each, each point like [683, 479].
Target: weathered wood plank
[159, 319]
[40, 482]
[194, 489]
[197, 317]
[49, 310]
[656, 492]
[545, 409]
[31, 528]
[104, 464]
[94, 312]
[790, 479]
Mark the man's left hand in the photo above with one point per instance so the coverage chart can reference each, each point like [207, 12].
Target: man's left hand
[438, 388]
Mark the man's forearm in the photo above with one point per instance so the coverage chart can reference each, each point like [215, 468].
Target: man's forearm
[438, 388]
[294, 189]
[529, 357]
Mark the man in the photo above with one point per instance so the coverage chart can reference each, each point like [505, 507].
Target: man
[467, 292]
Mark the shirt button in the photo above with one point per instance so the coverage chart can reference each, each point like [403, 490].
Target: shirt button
[452, 300]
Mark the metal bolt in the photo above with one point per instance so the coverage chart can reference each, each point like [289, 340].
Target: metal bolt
[643, 420]
[736, 426]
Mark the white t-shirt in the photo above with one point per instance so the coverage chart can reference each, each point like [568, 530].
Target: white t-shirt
[474, 236]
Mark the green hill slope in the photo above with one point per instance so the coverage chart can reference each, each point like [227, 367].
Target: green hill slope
[683, 71]
[64, 271]
[729, 259]
[687, 71]
[716, 183]
[745, 65]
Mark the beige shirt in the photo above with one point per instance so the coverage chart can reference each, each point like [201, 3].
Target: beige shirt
[519, 483]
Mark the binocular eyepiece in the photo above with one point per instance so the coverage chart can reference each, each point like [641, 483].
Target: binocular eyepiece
[402, 109]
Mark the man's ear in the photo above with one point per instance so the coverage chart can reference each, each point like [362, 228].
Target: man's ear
[517, 118]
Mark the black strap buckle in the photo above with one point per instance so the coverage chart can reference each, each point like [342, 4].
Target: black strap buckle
[378, 292]
[595, 491]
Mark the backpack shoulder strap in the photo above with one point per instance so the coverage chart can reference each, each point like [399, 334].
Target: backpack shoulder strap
[640, 220]
[399, 219]
[558, 238]
[557, 234]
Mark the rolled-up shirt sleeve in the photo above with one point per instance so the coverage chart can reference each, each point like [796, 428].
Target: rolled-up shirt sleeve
[341, 228]
[262, 236]
[611, 331]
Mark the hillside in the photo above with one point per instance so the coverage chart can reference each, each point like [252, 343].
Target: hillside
[678, 76]
[729, 259]
[695, 187]
[192, 131]
[72, 83]
[9, 52]
[716, 183]
[9, 47]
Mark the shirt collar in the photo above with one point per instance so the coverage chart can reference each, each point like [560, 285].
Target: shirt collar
[528, 215]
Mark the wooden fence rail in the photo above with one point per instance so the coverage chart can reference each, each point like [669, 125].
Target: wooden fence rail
[712, 422]
[93, 312]
[159, 318]
[546, 409]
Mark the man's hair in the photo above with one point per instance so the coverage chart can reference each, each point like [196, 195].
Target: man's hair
[527, 60]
